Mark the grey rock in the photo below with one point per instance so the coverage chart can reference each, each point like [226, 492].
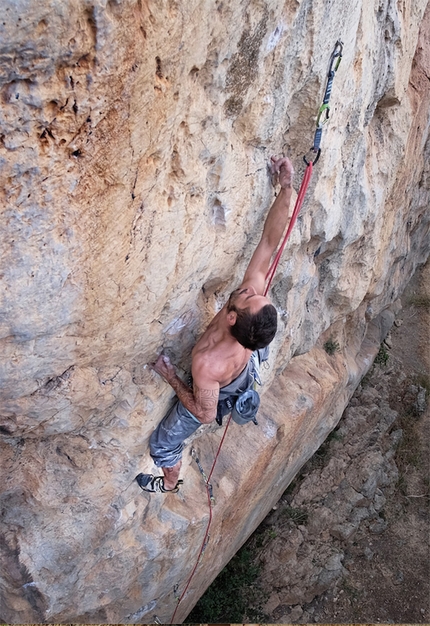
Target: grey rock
[320, 519]
[378, 527]
[388, 417]
[396, 437]
[327, 577]
[369, 488]
[368, 553]
[388, 341]
[369, 396]
[350, 494]
[379, 500]
[272, 603]
[334, 563]
[390, 454]
[296, 613]
[399, 578]
[420, 404]
[344, 531]
[359, 514]
[386, 320]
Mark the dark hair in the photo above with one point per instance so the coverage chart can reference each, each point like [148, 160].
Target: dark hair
[254, 330]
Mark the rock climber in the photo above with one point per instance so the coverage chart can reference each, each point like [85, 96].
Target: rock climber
[226, 358]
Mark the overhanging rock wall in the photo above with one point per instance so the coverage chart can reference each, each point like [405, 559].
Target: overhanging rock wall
[134, 143]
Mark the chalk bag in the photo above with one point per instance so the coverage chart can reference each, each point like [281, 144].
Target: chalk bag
[246, 407]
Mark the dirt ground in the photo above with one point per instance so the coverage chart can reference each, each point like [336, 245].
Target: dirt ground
[386, 577]
[393, 587]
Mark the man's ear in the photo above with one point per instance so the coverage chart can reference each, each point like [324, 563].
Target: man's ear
[231, 318]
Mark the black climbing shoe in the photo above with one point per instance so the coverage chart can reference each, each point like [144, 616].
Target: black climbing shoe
[155, 484]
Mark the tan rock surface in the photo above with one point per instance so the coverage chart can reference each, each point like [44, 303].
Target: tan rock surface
[134, 143]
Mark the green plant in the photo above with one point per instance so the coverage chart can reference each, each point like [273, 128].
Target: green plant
[401, 485]
[420, 301]
[291, 487]
[229, 597]
[298, 516]
[331, 346]
[423, 380]
[382, 357]
[335, 435]
[367, 377]
[322, 453]
[350, 590]
[409, 453]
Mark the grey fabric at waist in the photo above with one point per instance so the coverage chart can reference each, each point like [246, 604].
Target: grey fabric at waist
[166, 442]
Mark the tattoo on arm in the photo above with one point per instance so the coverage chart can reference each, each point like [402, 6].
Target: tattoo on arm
[202, 403]
[207, 398]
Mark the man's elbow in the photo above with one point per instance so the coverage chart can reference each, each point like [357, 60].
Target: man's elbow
[206, 418]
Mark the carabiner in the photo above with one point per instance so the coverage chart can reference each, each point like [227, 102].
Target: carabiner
[315, 160]
[336, 56]
[211, 493]
[324, 108]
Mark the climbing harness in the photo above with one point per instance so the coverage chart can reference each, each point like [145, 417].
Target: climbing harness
[323, 111]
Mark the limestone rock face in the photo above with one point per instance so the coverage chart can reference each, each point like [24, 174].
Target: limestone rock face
[135, 137]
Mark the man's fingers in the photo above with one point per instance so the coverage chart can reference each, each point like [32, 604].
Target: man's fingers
[272, 166]
[278, 162]
[161, 359]
[287, 166]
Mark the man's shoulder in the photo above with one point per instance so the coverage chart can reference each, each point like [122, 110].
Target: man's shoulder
[206, 363]
[214, 364]
[219, 365]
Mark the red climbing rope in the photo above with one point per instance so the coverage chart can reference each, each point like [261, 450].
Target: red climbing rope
[269, 278]
[206, 537]
[324, 110]
[301, 196]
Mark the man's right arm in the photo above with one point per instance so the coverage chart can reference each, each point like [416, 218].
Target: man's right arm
[274, 226]
[202, 400]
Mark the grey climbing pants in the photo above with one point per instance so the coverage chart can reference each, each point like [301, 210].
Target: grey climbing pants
[167, 441]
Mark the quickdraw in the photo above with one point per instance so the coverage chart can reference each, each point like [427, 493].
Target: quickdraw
[202, 472]
[324, 110]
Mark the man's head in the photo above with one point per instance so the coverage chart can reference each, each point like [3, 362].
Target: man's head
[254, 322]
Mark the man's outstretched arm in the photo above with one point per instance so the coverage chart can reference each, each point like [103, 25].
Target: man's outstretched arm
[202, 400]
[274, 226]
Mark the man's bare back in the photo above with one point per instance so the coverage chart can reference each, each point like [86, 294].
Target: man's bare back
[218, 353]
[224, 349]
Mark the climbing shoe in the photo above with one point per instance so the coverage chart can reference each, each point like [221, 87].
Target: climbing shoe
[155, 484]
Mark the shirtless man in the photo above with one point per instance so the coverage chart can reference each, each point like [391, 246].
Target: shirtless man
[221, 359]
